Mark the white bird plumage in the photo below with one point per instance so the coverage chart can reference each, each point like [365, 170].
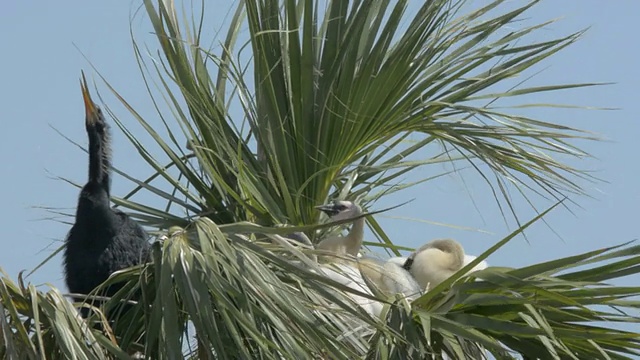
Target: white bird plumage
[388, 278]
[337, 248]
[435, 261]
[350, 276]
[425, 268]
[400, 260]
[339, 245]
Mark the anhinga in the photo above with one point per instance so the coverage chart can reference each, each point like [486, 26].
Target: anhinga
[102, 240]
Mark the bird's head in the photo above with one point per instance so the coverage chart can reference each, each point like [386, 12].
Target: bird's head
[94, 119]
[449, 246]
[443, 247]
[340, 210]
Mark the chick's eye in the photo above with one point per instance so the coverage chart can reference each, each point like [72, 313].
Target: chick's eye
[341, 207]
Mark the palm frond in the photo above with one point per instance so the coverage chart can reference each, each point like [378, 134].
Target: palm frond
[338, 91]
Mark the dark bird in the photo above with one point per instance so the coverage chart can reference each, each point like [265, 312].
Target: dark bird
[102, 240]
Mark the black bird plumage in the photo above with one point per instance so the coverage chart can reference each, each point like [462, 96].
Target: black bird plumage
[102, 240]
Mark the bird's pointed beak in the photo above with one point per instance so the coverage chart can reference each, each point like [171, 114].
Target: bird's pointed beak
[325, 207]
[89, 106]
[328, 209]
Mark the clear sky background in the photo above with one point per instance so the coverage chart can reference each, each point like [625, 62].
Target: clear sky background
[40, 66]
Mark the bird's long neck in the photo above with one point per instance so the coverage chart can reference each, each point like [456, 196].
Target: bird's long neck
[356, 235]
[99, 158]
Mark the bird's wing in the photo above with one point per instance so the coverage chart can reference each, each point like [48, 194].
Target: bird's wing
[398, 260]
[389, 277]
[350, 276]
[400, 281]
[481, 266]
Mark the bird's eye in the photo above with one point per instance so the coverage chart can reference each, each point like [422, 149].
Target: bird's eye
[341, 207]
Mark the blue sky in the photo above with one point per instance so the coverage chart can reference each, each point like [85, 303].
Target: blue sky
[40, 67]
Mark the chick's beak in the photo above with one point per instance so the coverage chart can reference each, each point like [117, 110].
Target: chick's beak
[89, 106]
[328, 209]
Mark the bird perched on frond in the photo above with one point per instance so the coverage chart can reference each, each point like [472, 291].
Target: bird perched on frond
[388, 278]
[435, 261]
[339, 245]
[102, 240]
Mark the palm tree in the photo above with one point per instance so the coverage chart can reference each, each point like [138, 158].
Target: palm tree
[309, 101]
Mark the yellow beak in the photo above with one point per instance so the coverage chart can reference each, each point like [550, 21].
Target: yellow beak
[89, 106]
